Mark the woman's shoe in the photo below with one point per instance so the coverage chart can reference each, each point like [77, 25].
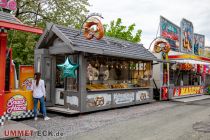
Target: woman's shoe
[35, 118]
[46, 118]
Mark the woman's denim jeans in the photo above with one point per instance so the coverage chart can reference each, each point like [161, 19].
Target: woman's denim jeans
[42, 106]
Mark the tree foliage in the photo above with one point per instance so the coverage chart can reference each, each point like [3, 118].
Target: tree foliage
[37, 13]
[117, 30]
[22, 45]
[65, 12]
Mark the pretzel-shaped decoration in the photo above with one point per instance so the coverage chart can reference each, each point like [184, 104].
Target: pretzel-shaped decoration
[90, 33]
[158, 46]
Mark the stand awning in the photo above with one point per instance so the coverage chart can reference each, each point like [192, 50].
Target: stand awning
[191, 59]
[9, 21]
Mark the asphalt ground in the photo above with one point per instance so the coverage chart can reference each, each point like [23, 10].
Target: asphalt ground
[155, 121]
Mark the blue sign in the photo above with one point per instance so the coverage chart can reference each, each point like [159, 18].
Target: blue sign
[187, 36]
[199, 44]
[171, 33]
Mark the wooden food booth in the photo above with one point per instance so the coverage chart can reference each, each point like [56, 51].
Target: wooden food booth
[111, 73]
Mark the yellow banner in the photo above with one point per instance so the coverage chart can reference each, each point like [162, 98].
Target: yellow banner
[190, 90]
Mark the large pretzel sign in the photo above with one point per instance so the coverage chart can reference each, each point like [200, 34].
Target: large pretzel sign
[93, 29]
[161, 45]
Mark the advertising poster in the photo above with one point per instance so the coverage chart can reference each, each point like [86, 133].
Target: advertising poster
[171, 33]
[123, 98]
[199, 44]
[98, 100]
[26, 75]
[187, 36]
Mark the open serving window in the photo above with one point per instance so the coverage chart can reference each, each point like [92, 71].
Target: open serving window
[106, 73]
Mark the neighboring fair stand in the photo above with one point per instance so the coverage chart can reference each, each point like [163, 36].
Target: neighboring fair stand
[186, 71]
[15, 102]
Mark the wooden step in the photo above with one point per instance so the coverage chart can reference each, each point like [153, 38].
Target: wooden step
[62, 110]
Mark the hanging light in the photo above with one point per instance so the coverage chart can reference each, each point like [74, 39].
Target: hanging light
[107, 61]
[96, 65]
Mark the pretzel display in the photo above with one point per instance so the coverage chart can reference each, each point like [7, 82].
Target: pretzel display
[162, 46]
[90, 33]
[92, 73]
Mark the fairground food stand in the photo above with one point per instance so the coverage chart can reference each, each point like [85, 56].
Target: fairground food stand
[189, 75]
[111, 73]
[185, 73]
[14, 103]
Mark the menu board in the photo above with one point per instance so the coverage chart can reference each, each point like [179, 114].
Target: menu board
[171, 33]
[187, 36]
[199, 44]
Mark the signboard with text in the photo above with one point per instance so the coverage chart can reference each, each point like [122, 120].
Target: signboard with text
[182, 38]
[188, 90]
[18, 103]
[171, 33]
[124, 98]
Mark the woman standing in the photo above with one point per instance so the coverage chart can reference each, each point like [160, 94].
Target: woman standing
[39, 94]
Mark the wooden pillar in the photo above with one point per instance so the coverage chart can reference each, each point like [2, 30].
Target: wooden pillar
[3, 46]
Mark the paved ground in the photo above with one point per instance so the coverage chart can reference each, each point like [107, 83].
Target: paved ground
[155, 121]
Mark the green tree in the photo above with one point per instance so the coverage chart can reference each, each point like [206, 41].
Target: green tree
[65, 12]
[22, 45]
[37, 13]
[117, 30]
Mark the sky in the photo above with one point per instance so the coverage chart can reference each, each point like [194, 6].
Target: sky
[146, 14]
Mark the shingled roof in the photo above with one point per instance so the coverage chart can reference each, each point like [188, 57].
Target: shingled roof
[9, 18]
[106, 46]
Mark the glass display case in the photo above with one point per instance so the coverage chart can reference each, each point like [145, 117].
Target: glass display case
[105, 73]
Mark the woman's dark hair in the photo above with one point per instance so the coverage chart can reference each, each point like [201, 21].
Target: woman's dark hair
[37, 78]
